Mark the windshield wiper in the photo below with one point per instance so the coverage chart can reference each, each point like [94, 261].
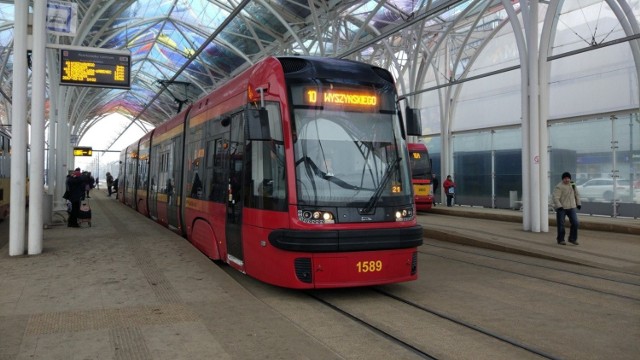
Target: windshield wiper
[328, 176]
[385, 179]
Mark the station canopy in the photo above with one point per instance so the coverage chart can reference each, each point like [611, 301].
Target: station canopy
[182, 49]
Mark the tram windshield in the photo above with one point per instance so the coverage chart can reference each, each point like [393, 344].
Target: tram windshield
[420, 164]
[349, 159]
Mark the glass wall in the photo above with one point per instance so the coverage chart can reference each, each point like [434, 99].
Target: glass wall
[602, 155]
[487, 166]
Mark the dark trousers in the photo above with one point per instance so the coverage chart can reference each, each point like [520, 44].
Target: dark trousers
[449, 199]
[73, 216]
[572, 214]
[109, 189]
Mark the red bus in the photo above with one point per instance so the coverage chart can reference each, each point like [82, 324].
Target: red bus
[294, 173]
[421, 176]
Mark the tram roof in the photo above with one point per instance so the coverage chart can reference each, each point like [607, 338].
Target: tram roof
[168, 41]
[182, 49]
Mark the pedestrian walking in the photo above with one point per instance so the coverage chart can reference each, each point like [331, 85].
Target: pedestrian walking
[566, 200]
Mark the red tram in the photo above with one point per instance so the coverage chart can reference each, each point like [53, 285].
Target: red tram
[421, 176]
[296, 173]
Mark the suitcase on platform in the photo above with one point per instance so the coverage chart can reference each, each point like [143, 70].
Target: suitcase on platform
[84, 215]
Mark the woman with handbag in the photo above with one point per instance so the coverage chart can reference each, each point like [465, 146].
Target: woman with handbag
[449, 189]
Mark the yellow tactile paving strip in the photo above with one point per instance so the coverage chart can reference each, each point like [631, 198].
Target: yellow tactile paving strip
[60, 322]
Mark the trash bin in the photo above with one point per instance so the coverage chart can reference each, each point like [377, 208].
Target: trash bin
[513, 200]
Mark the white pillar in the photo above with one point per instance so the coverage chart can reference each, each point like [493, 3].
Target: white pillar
[52, 179]
[524, 103]
[534, 115]
[19, 132]
[62, 145]
[36, 172]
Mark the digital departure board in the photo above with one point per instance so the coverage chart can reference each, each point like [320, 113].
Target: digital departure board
[94, 68]
[82, 151]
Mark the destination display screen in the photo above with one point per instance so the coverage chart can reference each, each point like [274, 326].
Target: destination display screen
[340, 97]
[91, 68]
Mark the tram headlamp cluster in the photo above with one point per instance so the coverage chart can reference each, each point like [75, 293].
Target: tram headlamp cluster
[404, 214]
[316, 216]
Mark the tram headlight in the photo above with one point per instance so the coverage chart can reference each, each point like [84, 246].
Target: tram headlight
[404, 214]
[316, 216]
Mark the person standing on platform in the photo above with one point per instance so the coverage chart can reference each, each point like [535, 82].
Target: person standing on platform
[89, 183]
[566, 200]
[434, 185]
[449, 189]
[76, 183]
[109, 183]
[115, 187]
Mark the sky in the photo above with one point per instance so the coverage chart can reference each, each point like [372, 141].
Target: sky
[99, 137]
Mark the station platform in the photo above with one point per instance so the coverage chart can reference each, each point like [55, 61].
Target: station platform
[605, 242]
[128, 288]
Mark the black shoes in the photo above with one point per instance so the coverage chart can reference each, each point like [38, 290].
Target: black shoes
[575, 242]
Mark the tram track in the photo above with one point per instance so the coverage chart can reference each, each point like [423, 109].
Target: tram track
[400, 340]
[425, 320]
[632, 284]
[637, 283]
[346, 303]
[376, 329]
[468, 325]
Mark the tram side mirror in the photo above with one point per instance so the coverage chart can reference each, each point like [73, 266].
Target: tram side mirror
[258, 124]
[414, 123]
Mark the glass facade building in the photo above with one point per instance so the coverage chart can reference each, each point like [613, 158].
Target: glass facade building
[589, 114]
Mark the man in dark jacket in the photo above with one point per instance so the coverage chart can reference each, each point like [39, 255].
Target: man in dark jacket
[76, 187]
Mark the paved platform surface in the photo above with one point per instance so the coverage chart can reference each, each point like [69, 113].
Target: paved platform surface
[126, 288]
[605, 242]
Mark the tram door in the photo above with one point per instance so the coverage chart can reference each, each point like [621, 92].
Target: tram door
[235, 166]
[173, 183]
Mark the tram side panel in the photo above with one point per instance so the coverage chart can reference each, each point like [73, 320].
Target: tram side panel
[143, 187]
[165, 172]
[126, 186]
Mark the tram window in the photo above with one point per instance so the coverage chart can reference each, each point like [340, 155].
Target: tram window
[209, 169]
[2, 157]
[196, 186]
[217, 190]
[266, 167]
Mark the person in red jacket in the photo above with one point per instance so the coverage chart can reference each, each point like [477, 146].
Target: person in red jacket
[449, 189]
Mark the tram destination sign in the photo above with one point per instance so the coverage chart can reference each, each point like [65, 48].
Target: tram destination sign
[95, 68]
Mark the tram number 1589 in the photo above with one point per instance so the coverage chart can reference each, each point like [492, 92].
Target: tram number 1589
[369, 266]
